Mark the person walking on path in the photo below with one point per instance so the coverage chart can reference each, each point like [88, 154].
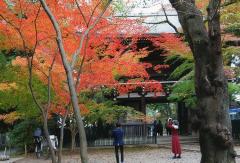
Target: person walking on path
[117, 134]
[176, 148]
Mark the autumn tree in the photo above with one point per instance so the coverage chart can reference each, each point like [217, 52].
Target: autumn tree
[80, 33]
[43, 58]
[18, 19]
[18, 112]
[210, 82]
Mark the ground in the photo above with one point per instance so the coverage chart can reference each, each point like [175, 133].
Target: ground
[160, 154]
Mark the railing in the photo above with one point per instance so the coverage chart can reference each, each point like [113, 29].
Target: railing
[140, 133]
[3, 140]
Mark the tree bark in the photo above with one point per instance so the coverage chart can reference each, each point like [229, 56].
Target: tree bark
[73, 130]
[71, 85]
[73, 137]
[62, 136]
[25, 150]
[44, 110]
[60, 144]
[45, 129]
[216, 142]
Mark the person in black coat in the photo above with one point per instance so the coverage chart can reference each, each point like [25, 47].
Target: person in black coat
[117, 135]
[160, 128]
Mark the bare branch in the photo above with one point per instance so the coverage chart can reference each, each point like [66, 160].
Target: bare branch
[49, 83]
[93, 12]
[165, 21]
[77, 52]
[17, 29]
[36, 31]
[229, 2]
[155, 23]
[173, 26]
[81, 64]
[80, 10]
[143, 16]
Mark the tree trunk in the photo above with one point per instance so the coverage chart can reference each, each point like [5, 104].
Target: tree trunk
[25, 149]
[73, 138]
[210, 82]
[60, 144]
[71, 85]
[61, 137]
[45, 129]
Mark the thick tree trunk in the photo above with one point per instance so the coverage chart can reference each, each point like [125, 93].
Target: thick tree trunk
[210, 83]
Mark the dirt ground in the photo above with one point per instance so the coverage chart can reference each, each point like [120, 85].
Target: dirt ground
[132, 155]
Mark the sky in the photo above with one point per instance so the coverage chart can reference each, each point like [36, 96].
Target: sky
[153, 7]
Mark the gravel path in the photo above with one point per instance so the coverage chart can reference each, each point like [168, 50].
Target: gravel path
[132, 155]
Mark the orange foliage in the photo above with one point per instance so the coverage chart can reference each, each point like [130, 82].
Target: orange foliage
[202, 4]
[60, 110]
[7, 86]
[25, 26]
[10, 117]
[171, 43]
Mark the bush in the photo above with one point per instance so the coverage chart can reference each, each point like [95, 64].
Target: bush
[22, 134]
[234, 29]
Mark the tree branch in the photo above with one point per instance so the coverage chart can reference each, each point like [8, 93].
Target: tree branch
[80, 10]
[77, 52]
[70, 81]
[165, 21]
[229, 2]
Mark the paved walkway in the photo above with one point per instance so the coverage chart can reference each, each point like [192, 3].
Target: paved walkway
[190, 154]
[12, 160]
[195, 147]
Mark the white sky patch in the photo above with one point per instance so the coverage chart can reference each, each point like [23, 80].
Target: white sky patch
[237, 97]
[153, 7]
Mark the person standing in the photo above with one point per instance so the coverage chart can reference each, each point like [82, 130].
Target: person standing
[117, 134]
[160, 128]
[37, 134]
[166, 127]
[176, 148]
[54, 141]
[155, 131]
[168, 122]
[155, 125]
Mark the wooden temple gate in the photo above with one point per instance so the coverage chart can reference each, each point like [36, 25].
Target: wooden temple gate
[139, 102]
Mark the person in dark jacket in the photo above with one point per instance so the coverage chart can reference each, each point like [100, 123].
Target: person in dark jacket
[160, 128]
[117, 134]
[37, 137]
[155, 128]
